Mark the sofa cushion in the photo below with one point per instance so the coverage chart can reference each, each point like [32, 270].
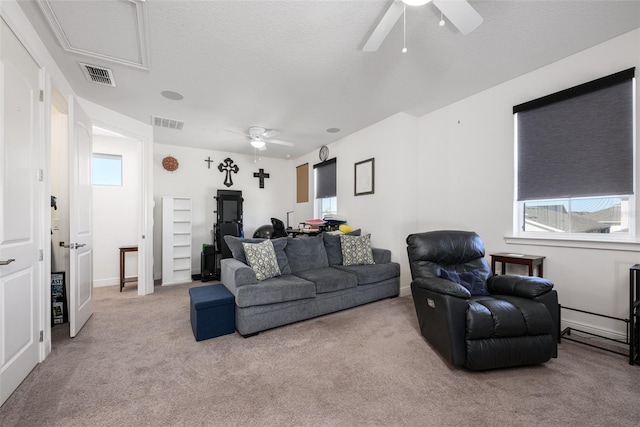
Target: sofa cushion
[368, 274]
[262, 259]
[277, 289]
[237, 250]
[329, 279]
[306, 253]
[356, 250]
[333, 247]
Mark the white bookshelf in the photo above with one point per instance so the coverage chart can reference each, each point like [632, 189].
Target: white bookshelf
[176, 240]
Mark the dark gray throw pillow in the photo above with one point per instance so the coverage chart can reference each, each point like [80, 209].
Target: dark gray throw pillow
[472, 280]
[334, 248]
[279, 245]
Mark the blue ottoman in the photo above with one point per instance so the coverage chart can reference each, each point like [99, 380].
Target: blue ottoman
[212, 311]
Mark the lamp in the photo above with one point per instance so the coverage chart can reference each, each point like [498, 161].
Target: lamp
[415, 2]
[258, 143]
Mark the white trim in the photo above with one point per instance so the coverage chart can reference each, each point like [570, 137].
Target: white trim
[574, 242]
[143, 133]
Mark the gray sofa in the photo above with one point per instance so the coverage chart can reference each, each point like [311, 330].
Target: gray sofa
[313, 282]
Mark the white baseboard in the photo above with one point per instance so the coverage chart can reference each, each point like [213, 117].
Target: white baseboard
[592, 329]
[405, 290]
[106, 282]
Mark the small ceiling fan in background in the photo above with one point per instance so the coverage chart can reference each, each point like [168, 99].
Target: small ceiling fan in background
[259, 137]
[459, 12]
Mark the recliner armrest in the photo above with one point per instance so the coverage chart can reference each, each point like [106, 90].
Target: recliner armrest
[519, 286]
[442, 286]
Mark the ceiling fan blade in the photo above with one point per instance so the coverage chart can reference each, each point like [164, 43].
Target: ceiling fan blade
[384, 26]
[460, 13]
[237, 133]
[278, 142]
[269, 133]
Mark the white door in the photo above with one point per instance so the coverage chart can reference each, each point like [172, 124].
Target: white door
[20, 210]
[80, 228]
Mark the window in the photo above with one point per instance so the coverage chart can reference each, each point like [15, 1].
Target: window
[106, 169]
[325, 179]
[575, 159]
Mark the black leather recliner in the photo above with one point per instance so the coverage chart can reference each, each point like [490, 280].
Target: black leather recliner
[509, 320]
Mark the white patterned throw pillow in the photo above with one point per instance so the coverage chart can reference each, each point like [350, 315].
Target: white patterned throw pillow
[356, 250]
[262, 259]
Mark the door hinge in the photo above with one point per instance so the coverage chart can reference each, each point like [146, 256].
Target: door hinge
[40, 255]
[40, 174]
[41, 336]
[41, 95]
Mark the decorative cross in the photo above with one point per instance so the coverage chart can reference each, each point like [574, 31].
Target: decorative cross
[261, 175]
[228, 167]
[209, 161]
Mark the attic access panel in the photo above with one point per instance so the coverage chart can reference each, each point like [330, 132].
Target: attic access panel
[114, 31]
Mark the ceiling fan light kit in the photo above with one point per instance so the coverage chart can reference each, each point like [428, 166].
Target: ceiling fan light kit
[415, 2]
[257, 143]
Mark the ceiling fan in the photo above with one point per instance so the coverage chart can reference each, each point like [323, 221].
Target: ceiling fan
[259, 136]
[459, 12]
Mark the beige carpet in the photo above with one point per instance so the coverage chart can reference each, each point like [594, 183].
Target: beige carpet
[136, 363]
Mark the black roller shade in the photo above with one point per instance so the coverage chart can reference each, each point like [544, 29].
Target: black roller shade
[577, 142]
[325, 179]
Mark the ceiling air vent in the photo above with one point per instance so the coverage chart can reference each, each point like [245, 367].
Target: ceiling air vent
[167, 123]
[96, 74]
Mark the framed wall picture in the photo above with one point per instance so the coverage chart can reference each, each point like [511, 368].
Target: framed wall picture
[59, 313]
[364, 177]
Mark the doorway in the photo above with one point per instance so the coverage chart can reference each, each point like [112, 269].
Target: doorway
[116, 206]
[59, 178]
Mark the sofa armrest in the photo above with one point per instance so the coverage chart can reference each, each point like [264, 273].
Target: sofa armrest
[519, 286]
[381, 256]
[442, 286]
[234, 273]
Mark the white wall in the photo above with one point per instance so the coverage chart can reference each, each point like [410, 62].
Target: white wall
[466, 176]
[115, 210]
[193, 179]
[390, 214]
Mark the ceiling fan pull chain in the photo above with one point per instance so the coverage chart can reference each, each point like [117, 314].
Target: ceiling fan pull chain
[404, 28]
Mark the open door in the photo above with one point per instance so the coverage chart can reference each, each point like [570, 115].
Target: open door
[80, 227]
[21, 195]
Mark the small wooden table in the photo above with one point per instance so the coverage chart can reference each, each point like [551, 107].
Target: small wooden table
[532, 261]
[123, 251]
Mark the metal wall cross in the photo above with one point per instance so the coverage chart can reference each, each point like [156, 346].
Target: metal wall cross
[261, 175]
[228, 167]
[209, 161]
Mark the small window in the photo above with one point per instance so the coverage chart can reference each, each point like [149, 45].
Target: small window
[107, 169]
[608, 215]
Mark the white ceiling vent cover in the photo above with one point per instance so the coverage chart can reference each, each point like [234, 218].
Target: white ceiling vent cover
[167, 123]
[97, 74]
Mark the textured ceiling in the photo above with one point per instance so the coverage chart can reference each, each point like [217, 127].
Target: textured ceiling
[296, 66]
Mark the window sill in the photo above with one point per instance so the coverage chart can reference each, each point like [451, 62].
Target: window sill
[575, 242]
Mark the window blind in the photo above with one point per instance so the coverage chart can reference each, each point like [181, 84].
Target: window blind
[577, 142]
[325, 179]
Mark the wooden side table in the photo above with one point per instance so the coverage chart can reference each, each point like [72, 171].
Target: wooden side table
[532, 261]
[123, 251]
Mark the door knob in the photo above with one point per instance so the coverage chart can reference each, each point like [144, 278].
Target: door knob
[79, 245]
[9, 261]
[62, 245]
